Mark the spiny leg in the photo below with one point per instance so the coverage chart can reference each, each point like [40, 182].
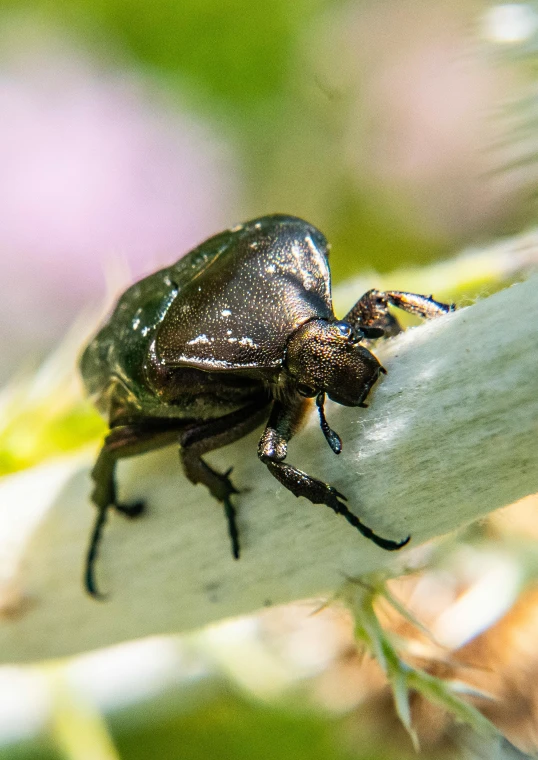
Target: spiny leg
[219, 484]
[371, 311]
[272, 451]
[414, 303]
[212, 434]
[123, 441]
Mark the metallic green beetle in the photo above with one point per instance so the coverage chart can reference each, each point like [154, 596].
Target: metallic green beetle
[239, 331]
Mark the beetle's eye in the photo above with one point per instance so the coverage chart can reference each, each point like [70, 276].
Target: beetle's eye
[345, 330]
[306, 391]
[351, 334]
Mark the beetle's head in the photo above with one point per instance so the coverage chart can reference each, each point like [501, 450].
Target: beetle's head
[325, 357]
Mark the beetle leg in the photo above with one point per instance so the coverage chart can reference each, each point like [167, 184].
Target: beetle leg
[212, 434]
[371, 311]
[122, 441]
[272, 451]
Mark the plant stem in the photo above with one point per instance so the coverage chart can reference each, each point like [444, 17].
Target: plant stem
[450, 435]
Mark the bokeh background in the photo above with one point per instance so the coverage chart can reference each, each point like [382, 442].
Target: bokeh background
[129, 132]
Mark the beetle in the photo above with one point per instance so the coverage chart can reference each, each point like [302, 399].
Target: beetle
[239, 331]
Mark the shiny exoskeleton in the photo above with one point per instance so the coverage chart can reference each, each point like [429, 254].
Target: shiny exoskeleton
[239, 331]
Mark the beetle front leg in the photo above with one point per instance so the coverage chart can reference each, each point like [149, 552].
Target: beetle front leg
[272, 451]
[371, 311]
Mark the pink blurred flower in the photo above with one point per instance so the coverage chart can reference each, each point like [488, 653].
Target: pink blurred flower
[93, 168]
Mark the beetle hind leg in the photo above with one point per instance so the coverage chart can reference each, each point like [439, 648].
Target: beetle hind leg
[104, 494]
[122, 441]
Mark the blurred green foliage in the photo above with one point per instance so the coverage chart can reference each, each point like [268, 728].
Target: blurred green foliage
[230, 727]
[33, 435]
[230, 53]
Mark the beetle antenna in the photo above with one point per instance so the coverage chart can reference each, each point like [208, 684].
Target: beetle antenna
[332, 438]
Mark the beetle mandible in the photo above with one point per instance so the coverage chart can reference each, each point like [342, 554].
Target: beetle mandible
[239, 331]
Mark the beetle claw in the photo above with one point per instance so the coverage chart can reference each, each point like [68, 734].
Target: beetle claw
[341, 509]
[131, 510]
